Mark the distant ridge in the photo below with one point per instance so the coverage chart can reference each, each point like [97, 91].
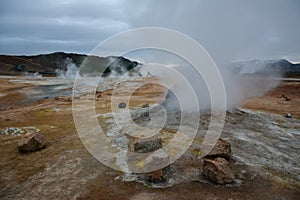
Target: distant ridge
[265, 67]
[48, 64]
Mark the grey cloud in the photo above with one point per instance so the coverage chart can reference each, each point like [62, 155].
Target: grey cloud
[233, 29]
[229, 30]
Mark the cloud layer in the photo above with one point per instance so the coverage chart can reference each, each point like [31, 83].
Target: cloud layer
[229, 30]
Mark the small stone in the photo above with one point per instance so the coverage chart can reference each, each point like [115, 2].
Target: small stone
[63, 99]
[32, 142]
[122, 105]
[287, 98]
[218, 171]
[145, 105]
[288, 115]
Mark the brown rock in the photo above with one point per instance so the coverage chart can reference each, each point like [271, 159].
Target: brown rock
[63, 99]
[218, 171]
[147, 145]
[221, 149]
[32, 142]
[156, 176]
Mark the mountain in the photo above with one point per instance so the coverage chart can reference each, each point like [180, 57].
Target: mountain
[49, 64]
[280, 67]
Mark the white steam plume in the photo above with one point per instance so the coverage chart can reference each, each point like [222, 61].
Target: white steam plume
[71, 72]
[238, 88]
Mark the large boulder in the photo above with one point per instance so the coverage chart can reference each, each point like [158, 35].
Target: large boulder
[217, 171]
[32, 142]
[221, 149]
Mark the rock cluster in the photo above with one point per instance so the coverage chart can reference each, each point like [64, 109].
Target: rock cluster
[18, 131]
[216, 166]
[148, 145]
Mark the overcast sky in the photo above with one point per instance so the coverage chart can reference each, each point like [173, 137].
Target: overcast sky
[228, 29]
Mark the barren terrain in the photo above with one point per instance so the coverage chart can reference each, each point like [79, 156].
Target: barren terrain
[265, 148]
[282, 100]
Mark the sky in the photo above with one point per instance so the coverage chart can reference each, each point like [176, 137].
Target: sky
[228, 29]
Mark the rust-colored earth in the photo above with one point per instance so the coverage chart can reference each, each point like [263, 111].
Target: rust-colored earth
[65, 170]
[281, 100]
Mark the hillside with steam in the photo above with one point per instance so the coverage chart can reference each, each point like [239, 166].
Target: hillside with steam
[282, 68]
[55, 63]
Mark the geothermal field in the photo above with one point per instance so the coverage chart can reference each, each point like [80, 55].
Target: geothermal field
[50, 149]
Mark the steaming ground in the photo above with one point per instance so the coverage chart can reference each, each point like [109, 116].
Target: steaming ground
[264, 145]
[185, 81]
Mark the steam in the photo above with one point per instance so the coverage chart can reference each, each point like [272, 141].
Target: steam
[270, 68]
[249, 82]
[241, 80]
[238, 87]
[35, 75]
[116, 71]
[71, 70]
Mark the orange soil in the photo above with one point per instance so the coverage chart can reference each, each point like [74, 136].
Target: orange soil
[275, 102]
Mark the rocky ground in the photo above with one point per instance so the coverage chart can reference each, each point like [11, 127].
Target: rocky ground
[265, 148]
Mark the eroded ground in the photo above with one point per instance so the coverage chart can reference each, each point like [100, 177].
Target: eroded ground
[265, 149]
[284, 99]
